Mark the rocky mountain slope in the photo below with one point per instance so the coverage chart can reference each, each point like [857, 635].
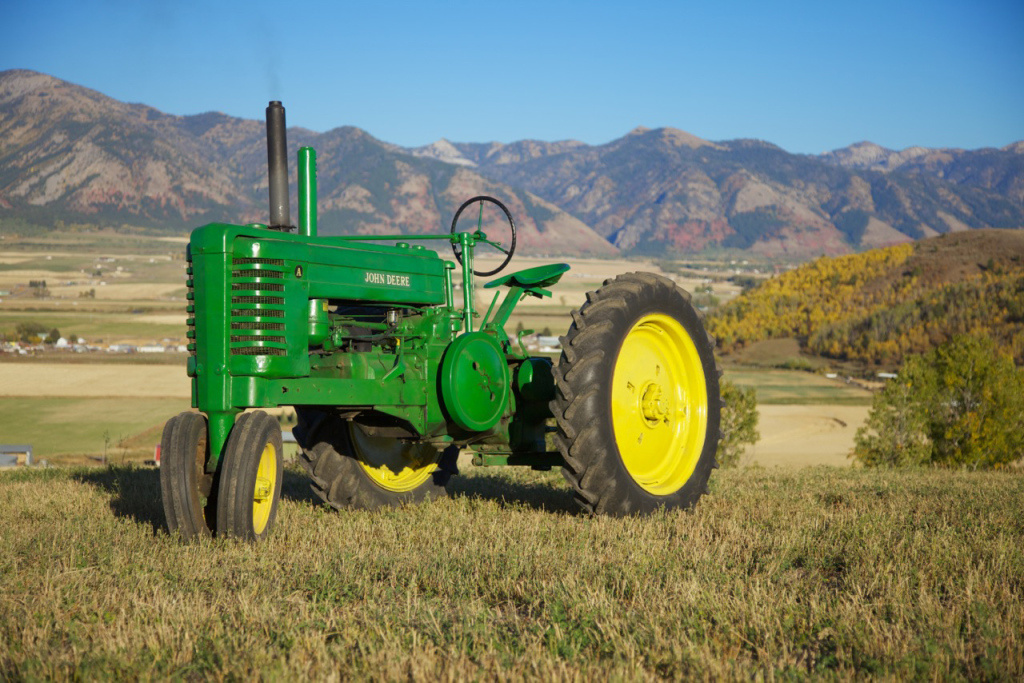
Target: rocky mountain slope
[999, 170]
[70, 150]
[666, 189]
[71, 154]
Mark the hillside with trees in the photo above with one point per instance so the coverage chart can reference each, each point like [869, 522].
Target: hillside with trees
[880, 306]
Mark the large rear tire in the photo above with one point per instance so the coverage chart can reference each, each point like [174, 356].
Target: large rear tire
[351, 469]
[637, 399]
[188, 492]
[250, 478]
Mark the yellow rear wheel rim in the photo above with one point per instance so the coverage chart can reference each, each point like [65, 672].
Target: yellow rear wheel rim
[659, 404]
[393, 464]
[263, 493]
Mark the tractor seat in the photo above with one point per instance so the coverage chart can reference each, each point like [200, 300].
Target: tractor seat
[532, 280]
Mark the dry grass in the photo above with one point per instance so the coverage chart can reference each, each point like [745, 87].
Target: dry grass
[802, 435]
[95, 380]
[818, 573]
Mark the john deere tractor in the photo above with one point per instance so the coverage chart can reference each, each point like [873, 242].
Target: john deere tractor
[376, 343]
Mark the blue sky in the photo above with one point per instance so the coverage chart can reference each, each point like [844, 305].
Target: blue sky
[808, 76]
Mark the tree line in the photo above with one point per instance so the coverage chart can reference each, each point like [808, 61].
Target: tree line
[874, 309]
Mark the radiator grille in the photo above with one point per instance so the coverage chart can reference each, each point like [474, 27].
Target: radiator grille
[252, 296]
[272, 327]
[258, 300]
[254, 272]
[256, 313]
[258, 261]
[264, 286]
[258, 351]
[190, 308]
[257, 337]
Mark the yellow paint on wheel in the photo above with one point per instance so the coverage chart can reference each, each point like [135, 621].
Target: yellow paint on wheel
[393, 464]
[659, 404]
[263, 493]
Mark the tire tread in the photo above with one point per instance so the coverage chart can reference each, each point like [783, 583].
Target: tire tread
[337, 477]
[593, 468]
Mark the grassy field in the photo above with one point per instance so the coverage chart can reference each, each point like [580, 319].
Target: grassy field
[110, 327]
[789, 387]
[804, 418]
[115, 360]
[144, 302]
[780, 573]
[570, 292]
[77, 406]
[820, 573]
[67, 430]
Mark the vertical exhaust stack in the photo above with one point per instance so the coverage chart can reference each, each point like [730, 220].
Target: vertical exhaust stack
[277, 168]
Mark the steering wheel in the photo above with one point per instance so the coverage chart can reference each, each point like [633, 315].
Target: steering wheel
[480, 238]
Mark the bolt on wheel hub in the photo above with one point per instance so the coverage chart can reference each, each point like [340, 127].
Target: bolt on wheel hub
[264, 487]
[654, 406]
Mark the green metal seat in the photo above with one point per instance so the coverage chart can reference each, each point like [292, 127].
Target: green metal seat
[533, 280]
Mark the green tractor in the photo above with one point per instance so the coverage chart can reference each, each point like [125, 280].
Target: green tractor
[391, 377]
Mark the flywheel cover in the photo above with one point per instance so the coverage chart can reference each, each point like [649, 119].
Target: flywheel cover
[475, 381]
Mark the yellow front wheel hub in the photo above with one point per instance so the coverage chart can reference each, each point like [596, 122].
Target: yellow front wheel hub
[392, 464]
[659, 404]
[263, 493]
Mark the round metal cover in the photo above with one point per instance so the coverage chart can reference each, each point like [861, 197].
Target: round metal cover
[475, 381]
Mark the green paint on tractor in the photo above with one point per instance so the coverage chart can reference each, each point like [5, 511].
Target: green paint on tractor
[392, 372]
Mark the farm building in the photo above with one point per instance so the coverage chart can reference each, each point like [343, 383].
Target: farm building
[15, 455]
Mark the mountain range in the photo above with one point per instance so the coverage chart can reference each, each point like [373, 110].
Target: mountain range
[69, 154]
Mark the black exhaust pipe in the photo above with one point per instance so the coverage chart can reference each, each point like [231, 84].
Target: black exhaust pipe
[277, 168]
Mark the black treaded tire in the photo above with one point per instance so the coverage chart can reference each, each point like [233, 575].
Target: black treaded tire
[245, 509]
[341, 481]
[188, 492]
[582, 407]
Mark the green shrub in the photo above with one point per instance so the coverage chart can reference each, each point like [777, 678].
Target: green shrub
[959, 405]
[739, 423]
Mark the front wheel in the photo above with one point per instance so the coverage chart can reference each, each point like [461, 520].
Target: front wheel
[250, 478]
[188, 491]
[637, 401]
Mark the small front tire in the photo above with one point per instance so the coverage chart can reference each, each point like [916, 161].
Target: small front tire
[250, 478]
[188, 491]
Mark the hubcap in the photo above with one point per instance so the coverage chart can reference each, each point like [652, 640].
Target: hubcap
[393, 464]
[263, 492]
[653, 406]
[659, 404]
